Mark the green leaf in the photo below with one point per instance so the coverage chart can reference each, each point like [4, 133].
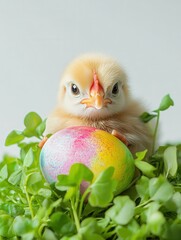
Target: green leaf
[170, 161]
[48, 234]
[29, 157]
[32, 120]
[160, 189]
[12, 209]
[173, 231]
[156, 222]
[71, 192]
[41, 128]
[34, 182]
[176, 198]
[62, 224]
[14, 137]
[78, 173]
[132, 231]
[24, 148]
[90, 224]
[122, 211]
[23, 226]
[102, 190]
[142, 187]
[124, 233]
[149, 210]
[146, 117]
[90, 229]
[29, 133]
[6, 222]
[146, 168]
[15, 177]
[166, 102]
[141, 155]
[174, 203]
[44, 192]
[159, 152]
[75, 237]
[64, 182]
[12, 163]
[103, 223]
[3, 173]
[90, 236]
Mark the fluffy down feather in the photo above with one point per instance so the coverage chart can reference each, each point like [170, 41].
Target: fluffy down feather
[94, 92]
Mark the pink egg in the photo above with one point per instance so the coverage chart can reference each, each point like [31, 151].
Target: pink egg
[93, 147]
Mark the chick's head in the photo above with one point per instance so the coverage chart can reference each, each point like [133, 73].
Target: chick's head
[93, 86]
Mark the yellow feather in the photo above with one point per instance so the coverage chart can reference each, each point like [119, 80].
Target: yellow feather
[122, 115]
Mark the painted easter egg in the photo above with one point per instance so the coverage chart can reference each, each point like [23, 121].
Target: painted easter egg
[93, 147]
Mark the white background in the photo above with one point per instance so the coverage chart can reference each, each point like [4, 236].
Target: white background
[39, 37]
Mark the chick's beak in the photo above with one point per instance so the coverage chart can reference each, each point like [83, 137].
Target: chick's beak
[96, 98]
[98, 101]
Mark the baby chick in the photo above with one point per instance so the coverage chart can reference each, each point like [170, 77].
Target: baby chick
[94, 92]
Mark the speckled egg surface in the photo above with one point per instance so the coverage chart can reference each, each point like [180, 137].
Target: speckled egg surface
[95, 148]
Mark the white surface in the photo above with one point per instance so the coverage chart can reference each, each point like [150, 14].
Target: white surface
[38, 39]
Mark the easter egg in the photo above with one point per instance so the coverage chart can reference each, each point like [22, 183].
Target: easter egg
[95, 148]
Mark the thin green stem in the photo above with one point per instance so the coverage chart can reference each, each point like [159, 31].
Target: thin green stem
[77, 223]
[82, 201]
[108, 232]
[77, 197]
[143, 204]
[110, 226]
[27, 195]
[29, 202]
[155, 131]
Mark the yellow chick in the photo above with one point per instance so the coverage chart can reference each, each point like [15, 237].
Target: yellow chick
[94, 92]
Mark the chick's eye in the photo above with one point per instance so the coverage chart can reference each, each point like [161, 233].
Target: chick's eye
[75, 89]
[115, 89]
